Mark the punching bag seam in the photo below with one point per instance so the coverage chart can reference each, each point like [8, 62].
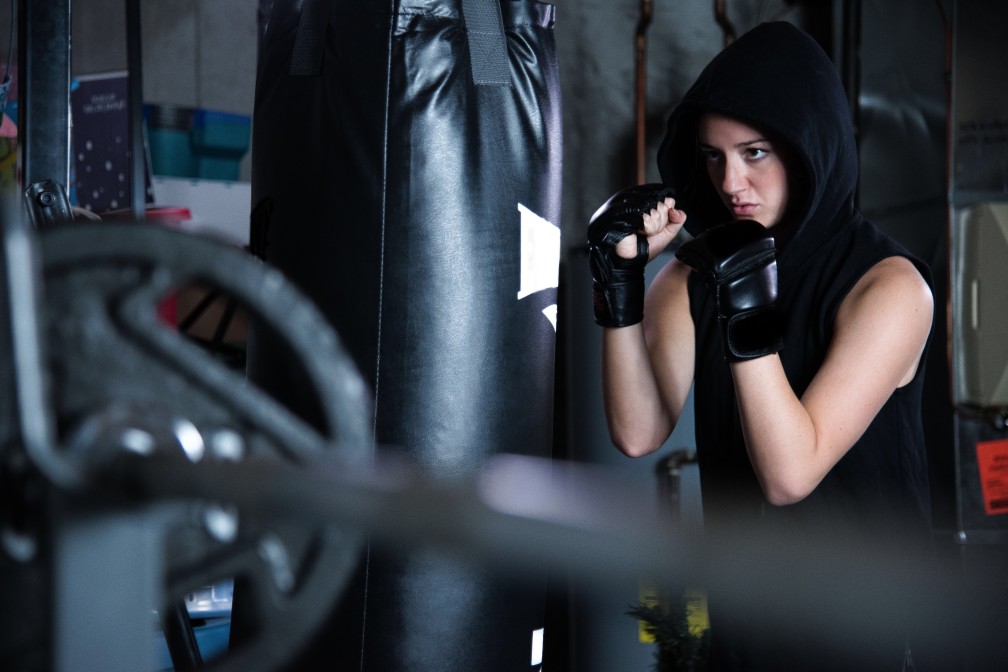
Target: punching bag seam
[364, 600]
[381, 294]
[384, 209]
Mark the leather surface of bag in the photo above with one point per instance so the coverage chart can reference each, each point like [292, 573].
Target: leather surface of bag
[406, 171]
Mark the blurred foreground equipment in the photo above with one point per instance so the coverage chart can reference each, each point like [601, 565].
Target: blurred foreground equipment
[97, 372]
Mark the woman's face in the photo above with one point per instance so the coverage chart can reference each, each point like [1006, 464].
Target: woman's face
[746, 168]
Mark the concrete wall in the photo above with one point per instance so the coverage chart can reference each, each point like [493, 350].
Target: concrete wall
[195, 53]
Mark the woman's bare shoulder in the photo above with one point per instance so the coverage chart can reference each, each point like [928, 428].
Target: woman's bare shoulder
[892, 281]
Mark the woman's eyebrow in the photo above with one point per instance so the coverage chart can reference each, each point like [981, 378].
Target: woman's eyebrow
[744, 143]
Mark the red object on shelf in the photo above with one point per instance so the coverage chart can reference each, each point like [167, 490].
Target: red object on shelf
[171, 216]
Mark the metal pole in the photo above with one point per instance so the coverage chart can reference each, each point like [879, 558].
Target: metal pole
[44, 83]
[134, 59]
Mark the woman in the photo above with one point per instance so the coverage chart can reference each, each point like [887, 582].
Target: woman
[803, 337]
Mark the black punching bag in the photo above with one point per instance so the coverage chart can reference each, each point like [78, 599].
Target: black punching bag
[406, 176]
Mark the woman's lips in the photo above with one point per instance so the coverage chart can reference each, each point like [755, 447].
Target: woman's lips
[741, 210]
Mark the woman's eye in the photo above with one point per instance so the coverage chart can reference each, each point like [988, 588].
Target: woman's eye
[710, 155]
[756, 153]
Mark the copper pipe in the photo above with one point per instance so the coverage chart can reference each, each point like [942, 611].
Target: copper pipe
[640, 52]
[721, 16]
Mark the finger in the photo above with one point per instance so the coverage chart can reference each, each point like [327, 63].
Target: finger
[650, 222]
[673, 212]
[655, 220]
[676, 216]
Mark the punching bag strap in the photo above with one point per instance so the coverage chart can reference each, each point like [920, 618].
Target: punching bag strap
[487, 45]
[306, 58]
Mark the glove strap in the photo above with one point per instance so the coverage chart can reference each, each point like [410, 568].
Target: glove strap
[617, 287]
[751, 334]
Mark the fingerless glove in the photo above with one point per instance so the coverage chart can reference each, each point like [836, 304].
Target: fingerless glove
[618, 283]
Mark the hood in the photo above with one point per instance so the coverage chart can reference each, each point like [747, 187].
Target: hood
[778, 78]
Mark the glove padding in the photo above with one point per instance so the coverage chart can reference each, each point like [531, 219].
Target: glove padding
[618, 283]
[738, 262]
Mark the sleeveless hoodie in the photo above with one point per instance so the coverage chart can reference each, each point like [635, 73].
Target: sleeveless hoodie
[777, 78]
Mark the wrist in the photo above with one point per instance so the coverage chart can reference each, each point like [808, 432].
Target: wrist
[619, 303]
[751, 334]
[617, 285]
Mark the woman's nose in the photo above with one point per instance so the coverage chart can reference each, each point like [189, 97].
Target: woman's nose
[733, 180]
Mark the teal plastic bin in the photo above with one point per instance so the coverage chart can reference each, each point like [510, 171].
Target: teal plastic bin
[168, 139]
[219, 140]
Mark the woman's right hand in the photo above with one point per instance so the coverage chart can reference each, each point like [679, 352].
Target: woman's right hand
[627, 221]
[660, 226]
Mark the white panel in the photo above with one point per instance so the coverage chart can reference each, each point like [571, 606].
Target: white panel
[980, 306]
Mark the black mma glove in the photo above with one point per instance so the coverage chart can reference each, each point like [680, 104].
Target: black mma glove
[738, 262]
[618, 283]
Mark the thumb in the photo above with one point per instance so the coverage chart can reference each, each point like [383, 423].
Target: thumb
[627, 247]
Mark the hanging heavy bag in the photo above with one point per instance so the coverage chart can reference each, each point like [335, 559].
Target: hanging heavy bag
[406, 175]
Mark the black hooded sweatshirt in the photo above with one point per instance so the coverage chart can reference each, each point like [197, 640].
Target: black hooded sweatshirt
[779, 80]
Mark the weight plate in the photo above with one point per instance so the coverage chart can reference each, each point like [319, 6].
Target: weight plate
[118, 369]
